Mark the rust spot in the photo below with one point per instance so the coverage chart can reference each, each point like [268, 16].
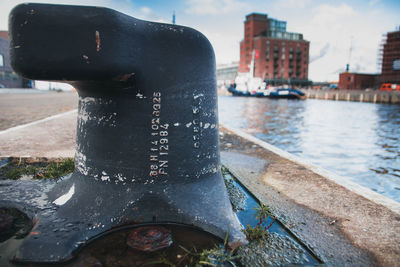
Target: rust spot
[86, 58]
[35, 223]
[149, 238]
[123, 77]
[97, 41]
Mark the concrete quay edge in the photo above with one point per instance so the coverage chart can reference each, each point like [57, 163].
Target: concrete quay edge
[341, 227]
[343, 181]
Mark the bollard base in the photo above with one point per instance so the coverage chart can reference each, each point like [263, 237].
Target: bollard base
[72, 211]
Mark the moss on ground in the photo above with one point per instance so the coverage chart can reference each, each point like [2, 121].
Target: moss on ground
[17, 168]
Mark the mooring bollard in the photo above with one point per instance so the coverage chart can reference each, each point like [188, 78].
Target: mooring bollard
[147, 138]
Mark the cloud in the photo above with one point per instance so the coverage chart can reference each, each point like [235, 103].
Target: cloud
[327, 15]
[338, 71]
[145, 10]
[330, 29]
[214, 7]
[224, 53]
[373, 2]
[321, 53]
[293, 3]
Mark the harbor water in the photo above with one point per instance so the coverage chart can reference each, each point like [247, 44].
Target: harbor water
[360, 141]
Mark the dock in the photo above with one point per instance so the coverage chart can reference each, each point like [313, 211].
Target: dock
[374, 96]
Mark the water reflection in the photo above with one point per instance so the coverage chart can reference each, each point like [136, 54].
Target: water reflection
[357, 140]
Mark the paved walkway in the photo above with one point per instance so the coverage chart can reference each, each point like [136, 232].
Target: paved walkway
[23, 106]
[51, 137]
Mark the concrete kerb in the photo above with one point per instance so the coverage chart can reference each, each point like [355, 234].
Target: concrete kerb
[51, 137]
[26, 125]
[340, 180]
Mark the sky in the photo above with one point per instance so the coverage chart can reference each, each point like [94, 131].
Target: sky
[333, 27]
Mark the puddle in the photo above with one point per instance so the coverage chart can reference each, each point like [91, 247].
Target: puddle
[14, 226]
[280, 248]
[184, 247]
[13, 223]
[115, 249]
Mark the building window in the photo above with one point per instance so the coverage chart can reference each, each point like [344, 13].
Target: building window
[1, 60]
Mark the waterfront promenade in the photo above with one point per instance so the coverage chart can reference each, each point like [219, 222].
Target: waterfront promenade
[341, 222]
[37, 123]
[27, 105]
[375, 96]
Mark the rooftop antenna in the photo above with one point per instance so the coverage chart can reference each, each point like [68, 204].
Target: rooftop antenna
[173, 17]
[351, 48]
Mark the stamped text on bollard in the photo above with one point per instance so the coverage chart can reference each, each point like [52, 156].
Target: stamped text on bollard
[159, 142]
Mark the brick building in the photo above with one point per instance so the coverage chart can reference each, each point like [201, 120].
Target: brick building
[280, 57]
[390, 68]
[8, 78]
[391, 59]
[357, 81]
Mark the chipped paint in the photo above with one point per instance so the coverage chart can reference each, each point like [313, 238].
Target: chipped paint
[197, 96]
[120, 177]
[104, 176]
[66, 197]
[108, 119]
[195, 110]
[80, 162]
[139, 95]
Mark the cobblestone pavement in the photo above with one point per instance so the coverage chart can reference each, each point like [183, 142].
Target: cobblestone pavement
[21, 108]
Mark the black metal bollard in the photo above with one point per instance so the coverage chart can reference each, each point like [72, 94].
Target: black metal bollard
[147, 139]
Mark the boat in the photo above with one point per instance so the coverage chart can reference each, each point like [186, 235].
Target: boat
[247, 85]
[287, 93]
[274, 93]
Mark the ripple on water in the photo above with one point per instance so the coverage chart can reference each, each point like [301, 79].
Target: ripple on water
[358, 140]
